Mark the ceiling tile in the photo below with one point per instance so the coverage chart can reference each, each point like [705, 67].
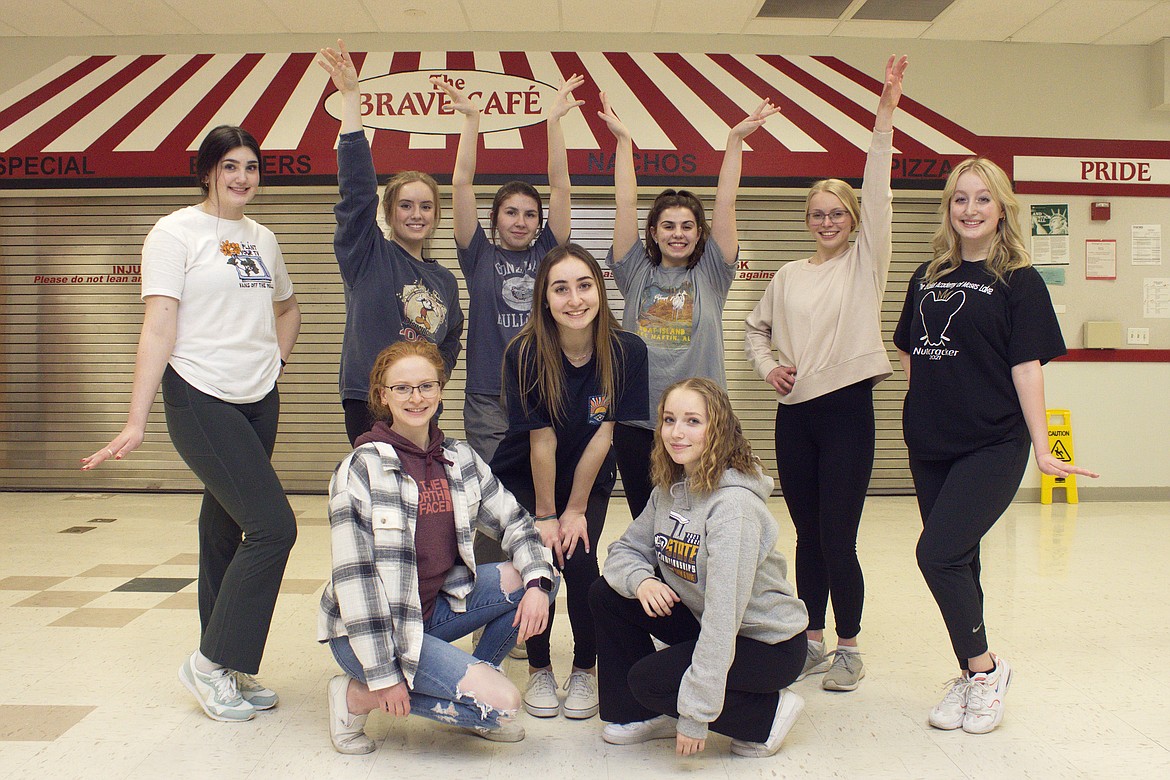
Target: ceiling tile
[209, 15]
[49, 18]
[815, 27]
[616, 16]
[528, 16]
[1081, 21]
[864, 28]
[986, 20]
[695, 16]
[1151, 26]
[311, 16]
[145, 17]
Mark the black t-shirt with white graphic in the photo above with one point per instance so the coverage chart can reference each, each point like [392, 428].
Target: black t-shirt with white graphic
[585, 409]
[964, 333]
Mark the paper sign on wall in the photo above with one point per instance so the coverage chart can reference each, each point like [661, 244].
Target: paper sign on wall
[1100, 258]
[1050, 234]
[1146, 244]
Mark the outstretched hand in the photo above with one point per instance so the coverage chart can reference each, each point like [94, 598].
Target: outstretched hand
[1054, 467]
[119, 447]
[458, 99]
[564, 101]
[339, 65]
[892, 91]
[755, 120]
[616, 126]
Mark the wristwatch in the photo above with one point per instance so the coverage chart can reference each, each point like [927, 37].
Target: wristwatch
[544, 583]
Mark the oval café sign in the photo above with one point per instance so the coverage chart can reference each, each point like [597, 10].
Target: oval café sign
[410, 103]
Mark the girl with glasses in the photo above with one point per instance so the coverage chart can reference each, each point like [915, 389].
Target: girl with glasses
[403, 508]
[821, 318]
[675, 284]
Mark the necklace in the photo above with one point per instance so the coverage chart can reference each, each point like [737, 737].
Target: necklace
[579, 360]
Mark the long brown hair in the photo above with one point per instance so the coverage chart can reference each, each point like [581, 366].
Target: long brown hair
[1007, 252]
[727, 447]
[539, 341]
[668, 199]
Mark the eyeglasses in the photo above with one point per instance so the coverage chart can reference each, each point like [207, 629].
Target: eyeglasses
[426, 390]
[837, 216]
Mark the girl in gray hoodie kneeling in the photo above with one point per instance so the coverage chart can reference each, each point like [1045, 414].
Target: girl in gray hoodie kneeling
[698, 570]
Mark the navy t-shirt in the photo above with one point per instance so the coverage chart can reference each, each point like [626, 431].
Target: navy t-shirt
[586, 408]
[964, 333]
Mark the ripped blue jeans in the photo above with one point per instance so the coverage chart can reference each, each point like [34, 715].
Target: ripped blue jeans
[441, 665]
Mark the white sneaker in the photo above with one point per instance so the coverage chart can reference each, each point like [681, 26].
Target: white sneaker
[510, 731]
[254, 693]
[948, 714]
[540, 699]
[347, 732]
[216, 692]
[581, 701]
[788, 709]
[816, 661]
[985, 698]
[661, 727]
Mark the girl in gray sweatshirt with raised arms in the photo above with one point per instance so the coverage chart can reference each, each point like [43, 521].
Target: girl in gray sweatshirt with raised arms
[698, 570]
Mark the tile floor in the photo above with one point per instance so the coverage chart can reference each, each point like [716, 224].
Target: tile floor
[95, 625]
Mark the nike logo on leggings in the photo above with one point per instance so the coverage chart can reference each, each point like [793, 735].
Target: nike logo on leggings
[976, 629]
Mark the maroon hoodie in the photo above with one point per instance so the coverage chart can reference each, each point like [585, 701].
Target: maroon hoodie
[436, 546]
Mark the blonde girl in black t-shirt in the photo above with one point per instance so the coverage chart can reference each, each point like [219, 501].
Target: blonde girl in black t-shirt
[976, 328]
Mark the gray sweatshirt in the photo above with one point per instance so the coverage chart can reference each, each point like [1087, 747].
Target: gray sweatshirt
[717, 552]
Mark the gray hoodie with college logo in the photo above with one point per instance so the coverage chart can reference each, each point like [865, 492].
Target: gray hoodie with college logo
[717, 552]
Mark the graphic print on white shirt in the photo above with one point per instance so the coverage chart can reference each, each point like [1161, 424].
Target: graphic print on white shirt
[666, 315]
[245, 257]
[679, 550]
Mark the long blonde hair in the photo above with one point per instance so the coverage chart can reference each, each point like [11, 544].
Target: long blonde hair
[1007, 252]
[539, 341]
[727, 447]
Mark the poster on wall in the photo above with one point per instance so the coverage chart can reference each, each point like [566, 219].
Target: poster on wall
[1145, 244]
[1050, 234]
[1156, 298]
[1100, 258]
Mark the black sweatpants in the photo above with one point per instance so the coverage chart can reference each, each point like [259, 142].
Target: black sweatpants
[824, 453]
[960, 500]
[632, 446]
[246, 526]
[579, 573]
[636, 683]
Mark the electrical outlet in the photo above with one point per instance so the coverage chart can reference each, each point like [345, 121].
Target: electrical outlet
[1137, 336]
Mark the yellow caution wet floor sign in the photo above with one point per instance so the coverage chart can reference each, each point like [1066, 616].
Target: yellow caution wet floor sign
[1060, 444]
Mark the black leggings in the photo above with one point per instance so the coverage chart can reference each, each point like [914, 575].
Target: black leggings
[246, 526]
[636, 683]
[632, 446]
[824, 453]
[579, 573]
[358, 418]
[960, 500]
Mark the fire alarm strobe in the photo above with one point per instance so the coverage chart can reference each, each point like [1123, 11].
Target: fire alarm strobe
[1099, 211]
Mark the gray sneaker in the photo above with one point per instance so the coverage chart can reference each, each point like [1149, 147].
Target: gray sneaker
[216, 692]
[816, 662]
[254, 693]
[540, 700]
[845, 673]
[581, 701]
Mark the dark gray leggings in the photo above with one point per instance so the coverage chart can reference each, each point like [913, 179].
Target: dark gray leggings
[246, 526]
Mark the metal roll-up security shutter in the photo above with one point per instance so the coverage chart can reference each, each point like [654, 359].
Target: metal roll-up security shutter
[70, 314]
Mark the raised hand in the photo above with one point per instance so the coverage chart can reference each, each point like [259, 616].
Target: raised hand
[754, 120]
[338, 64]
[564, 101]
[616, 126]
[892, 91]
[459, 100]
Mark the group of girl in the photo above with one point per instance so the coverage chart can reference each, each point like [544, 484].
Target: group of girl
[434, 538]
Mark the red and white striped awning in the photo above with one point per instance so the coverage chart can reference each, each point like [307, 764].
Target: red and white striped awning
[137, 119]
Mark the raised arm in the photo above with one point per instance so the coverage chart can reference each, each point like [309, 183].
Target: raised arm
[560, 213]
[156, 342]
[338, 64]
[625, 183]
[463, 208]
[723, 227]
[891, 94]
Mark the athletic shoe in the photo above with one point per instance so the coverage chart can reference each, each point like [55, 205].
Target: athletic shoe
[788, 709]
[662, 727]
[519, 652]
[540, 700]
[949, 713]
[845, 673]
[511, 731]
[347, 732]
[254, 693]
[581, 701]
[985, 698]
[816, 662]
[216, 692]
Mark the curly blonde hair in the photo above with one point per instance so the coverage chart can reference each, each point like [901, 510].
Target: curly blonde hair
[727, 447]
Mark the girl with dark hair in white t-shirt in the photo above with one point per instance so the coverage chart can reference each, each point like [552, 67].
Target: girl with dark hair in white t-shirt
[221, 320]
